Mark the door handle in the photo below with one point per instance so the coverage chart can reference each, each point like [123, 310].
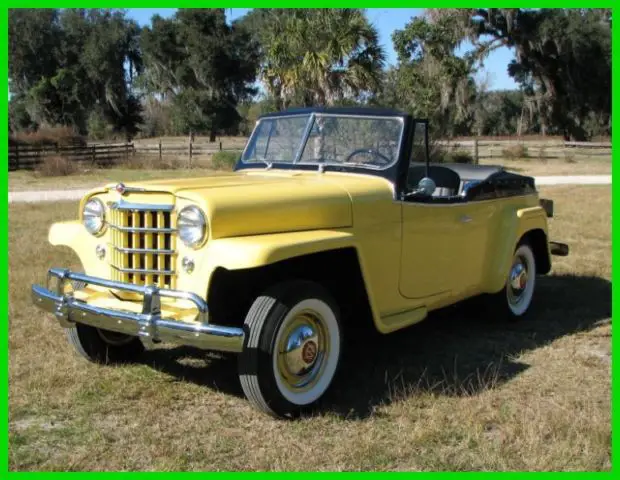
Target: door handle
[465, 219]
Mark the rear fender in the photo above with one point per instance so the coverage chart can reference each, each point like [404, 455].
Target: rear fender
[511, 228]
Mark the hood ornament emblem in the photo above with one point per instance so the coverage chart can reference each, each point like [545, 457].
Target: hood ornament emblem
[120, 188]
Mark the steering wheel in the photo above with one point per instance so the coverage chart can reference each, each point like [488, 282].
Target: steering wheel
[371, 151]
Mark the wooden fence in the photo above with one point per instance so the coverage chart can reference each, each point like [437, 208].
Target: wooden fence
[484, 149]
[28, 157]
[188, 149]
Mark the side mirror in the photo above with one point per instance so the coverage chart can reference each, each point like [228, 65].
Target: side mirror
[426, 187]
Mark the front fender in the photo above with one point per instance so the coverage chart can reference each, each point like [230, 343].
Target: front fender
[513, 225]
[254, 251]
[259, 250]
[72, 234]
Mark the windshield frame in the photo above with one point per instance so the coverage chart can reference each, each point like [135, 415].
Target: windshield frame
[312, 116]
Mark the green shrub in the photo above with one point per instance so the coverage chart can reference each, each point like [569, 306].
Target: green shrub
[225, 160]
[97, 125]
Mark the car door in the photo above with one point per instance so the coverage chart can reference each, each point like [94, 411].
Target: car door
[443, 247]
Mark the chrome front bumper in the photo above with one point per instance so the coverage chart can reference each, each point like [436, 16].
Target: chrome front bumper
[148, 324]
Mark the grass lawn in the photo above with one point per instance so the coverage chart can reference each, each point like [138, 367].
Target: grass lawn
[535, 167]
[451, 393]
[24, 180]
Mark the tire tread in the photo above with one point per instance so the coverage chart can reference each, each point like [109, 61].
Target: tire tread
[88, 344]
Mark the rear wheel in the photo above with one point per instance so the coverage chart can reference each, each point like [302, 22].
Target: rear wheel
[292, 348]
[515, 299]
[104, 346]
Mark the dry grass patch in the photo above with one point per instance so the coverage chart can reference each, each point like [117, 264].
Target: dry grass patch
[89, 178]
[452, 393]
[55, 166]
[49, 135]
[515, 152]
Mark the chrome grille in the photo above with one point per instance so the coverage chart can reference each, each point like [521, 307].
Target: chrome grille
[143, 244]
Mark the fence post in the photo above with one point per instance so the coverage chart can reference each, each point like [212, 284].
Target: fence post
[160, 150]
[220, 145]
[17, 156]
[190, 155]
[476, 160]
[126, 152]
[94, 154]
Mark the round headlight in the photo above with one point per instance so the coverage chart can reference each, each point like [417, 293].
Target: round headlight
[93, 216]
[192, 226]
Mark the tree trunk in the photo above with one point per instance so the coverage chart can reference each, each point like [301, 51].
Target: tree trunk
[212, 135]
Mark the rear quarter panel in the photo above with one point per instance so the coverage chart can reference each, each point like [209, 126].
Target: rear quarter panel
[515, 217]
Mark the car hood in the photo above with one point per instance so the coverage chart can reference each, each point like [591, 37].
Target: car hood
[256, 203]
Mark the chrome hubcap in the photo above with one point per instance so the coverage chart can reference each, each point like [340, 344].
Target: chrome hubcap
[302, 351]
[518, 281]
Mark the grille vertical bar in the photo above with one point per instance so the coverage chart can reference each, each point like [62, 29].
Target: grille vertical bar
[135, 240]
[148, 223]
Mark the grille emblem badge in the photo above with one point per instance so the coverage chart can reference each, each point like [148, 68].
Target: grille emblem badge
[120, 188]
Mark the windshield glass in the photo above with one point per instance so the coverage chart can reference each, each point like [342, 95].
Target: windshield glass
[371, 142]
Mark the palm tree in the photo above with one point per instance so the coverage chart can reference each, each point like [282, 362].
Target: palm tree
[321, 57]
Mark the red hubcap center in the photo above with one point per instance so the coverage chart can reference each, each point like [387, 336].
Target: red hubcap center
[308, 353]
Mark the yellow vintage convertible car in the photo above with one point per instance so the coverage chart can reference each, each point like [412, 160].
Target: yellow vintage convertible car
[332, 217]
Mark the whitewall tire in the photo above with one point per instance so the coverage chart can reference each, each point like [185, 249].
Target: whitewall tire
[292, 348]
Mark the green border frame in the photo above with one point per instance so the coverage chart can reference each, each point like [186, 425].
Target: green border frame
[282, 4]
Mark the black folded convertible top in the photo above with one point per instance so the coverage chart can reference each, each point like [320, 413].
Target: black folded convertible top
[500, 184]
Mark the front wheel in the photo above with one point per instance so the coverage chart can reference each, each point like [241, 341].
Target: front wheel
[292, 348]
[103, 346]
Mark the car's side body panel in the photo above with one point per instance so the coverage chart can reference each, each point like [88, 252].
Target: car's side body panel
[443, 248]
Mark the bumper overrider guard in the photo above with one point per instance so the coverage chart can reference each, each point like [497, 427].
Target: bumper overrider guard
[148, 324]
